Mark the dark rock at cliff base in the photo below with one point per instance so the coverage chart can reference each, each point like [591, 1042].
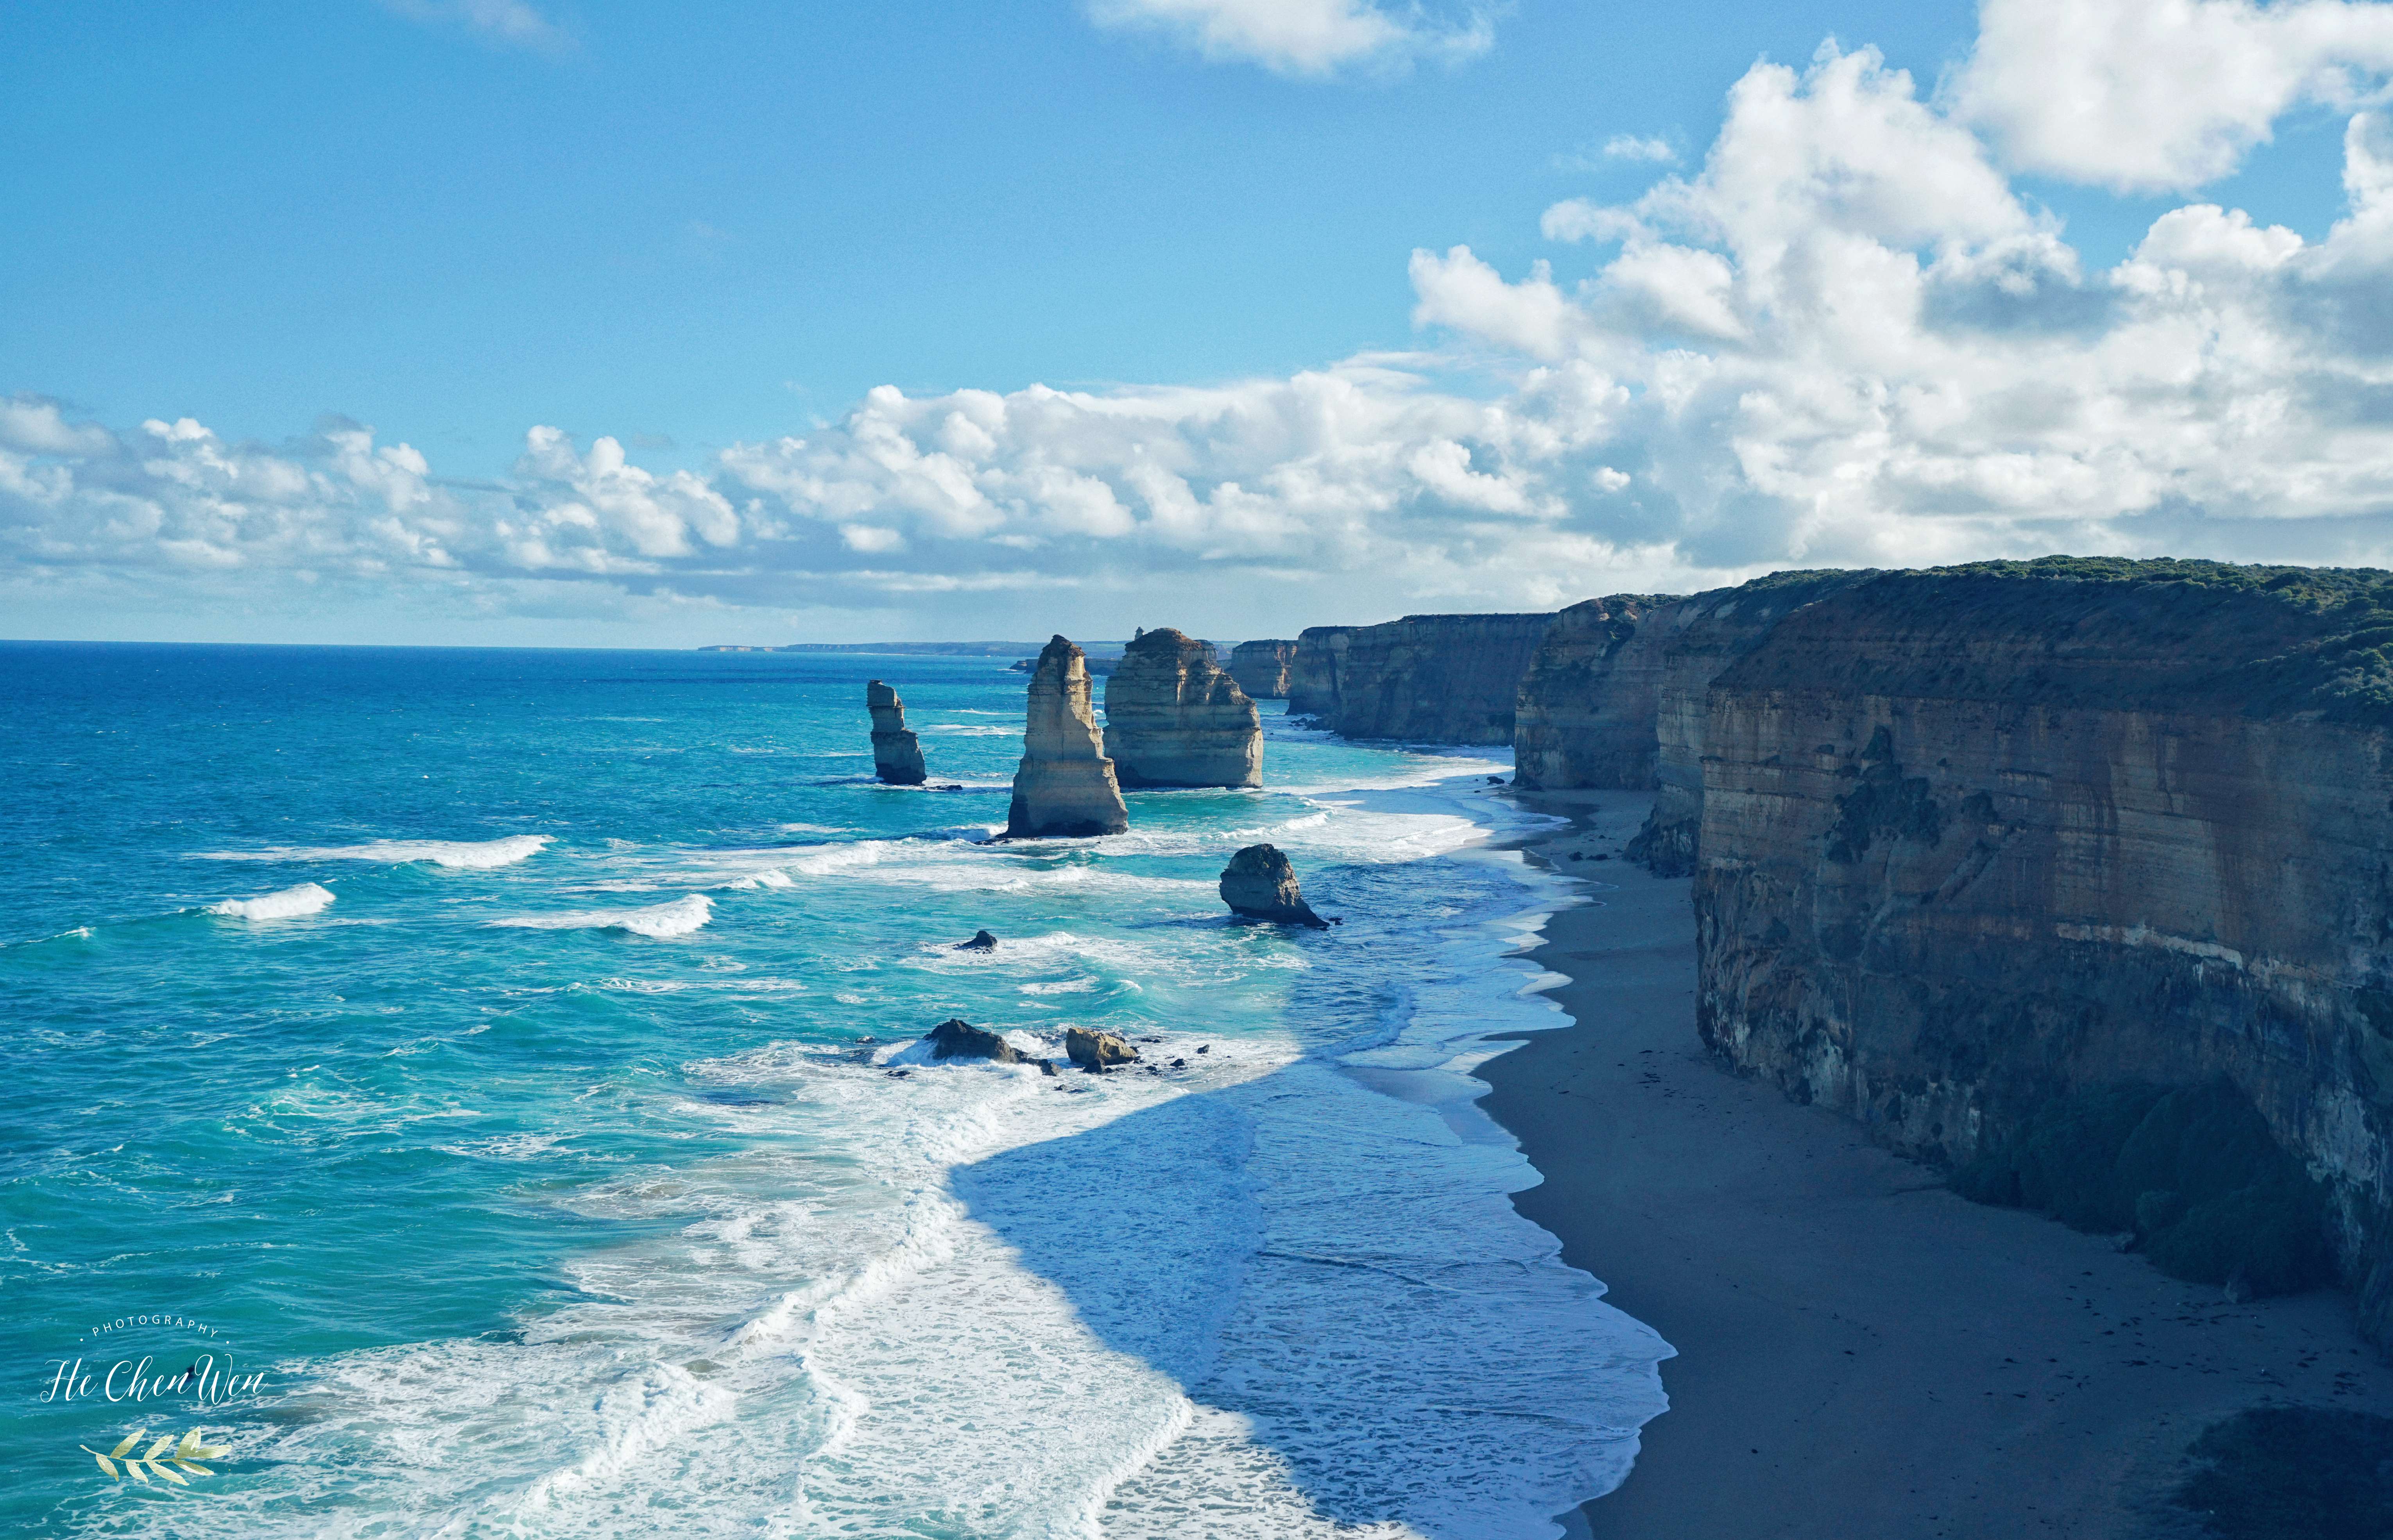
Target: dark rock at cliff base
[1261, 667]
[1096, 1050]
[959, 1039]
[897, 754]
[1260, 883]
[1173, 718]
[1064, 787]
[981, 942]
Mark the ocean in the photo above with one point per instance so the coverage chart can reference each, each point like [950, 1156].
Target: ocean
[492, 1073]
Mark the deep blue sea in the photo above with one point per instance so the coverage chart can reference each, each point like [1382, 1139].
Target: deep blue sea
[491, 1051]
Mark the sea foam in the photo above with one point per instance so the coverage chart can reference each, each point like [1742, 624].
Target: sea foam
[457, 855]
[289, 904]
[676, 916]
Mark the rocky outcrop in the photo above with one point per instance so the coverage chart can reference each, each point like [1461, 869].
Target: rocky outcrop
[897, 754]
[1312, 673]
[981, 942]
[1978, 840]
[1261, 667]
[1590, 696]
[1426, 678]
[1174, 718]
[956, 1039]
[1065, 786]
[1096, 1052]
[1260, 884]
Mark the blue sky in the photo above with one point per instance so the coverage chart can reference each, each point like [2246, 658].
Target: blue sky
[707, 233]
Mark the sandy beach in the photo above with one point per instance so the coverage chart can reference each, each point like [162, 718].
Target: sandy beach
[1860, 1352]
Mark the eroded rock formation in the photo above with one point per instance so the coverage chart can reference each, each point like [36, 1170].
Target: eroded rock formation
[1260, 882]
[957, 1039]
[1312, 673]
[1589, 698]
[1261, 667]
[1096, 1050]
[1428, 678]
[1976, 840]
[1174, 718]
[1065, 786]
[897, 754]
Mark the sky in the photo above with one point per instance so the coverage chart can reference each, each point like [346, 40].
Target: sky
[543, 322]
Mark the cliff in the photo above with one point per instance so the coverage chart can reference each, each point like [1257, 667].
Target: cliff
[1064, 785]
[1978, 842]
[1261, 667]
[1428, 678]
[1696, 638]
[1174, 718]
[1312, 672]
[897, 754]
[1590, 695]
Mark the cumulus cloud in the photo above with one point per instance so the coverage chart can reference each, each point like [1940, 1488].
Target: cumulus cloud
[507, 23]
[1845, 339]
[1302, 37]
[2161, 95]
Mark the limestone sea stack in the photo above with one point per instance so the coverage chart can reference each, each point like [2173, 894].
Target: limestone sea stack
[1261, 667]
[1064, 787]
[1174, 718]
[897, 754]
[1260, 884]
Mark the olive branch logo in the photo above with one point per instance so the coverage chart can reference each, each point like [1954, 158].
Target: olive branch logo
[162, 1459]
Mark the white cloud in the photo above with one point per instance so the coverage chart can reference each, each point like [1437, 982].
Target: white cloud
[1629, 147]
[509, 23]
[1300, 37]
[2160, 94]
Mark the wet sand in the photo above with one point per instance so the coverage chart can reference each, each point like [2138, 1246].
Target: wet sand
[1860, 1354]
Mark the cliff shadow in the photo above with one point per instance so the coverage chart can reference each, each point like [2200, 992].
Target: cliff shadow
[1339, 1282]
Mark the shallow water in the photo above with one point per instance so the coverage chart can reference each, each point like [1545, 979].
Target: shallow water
[493, 1048]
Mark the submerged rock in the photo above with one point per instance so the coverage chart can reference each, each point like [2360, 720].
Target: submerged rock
[981, 942]
[1096, 1050]
[1065, 786]
[1174, 717]
[957, 1039]
[897, 754]
[1260, 883]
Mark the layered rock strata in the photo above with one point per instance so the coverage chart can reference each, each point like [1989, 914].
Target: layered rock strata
[1696, 638]
[1976, 840]
[1174, 718]
[1589, 698]
[1065, 786]
[1261, 667]
[897, 754]
[1261, 884]
[1426, 678]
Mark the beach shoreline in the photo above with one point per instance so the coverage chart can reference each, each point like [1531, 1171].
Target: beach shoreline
[1861, 1353]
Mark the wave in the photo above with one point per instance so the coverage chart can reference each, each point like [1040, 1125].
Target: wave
[679, 917]
[456, 854]
[289, 904]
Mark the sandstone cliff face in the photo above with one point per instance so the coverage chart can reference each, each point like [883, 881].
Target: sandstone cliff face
[1261, 667]
[1064, 785]
[1312, 673]
[1430, 678]
[1589, 699]
[1974, 840]
[1173, 718]
[1696, 638]
[897, 754]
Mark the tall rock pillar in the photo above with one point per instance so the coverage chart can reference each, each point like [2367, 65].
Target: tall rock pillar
[1174, 718]
[897, 754]
[1064, 787]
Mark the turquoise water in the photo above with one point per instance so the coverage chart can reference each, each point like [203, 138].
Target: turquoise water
[493, 1048]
